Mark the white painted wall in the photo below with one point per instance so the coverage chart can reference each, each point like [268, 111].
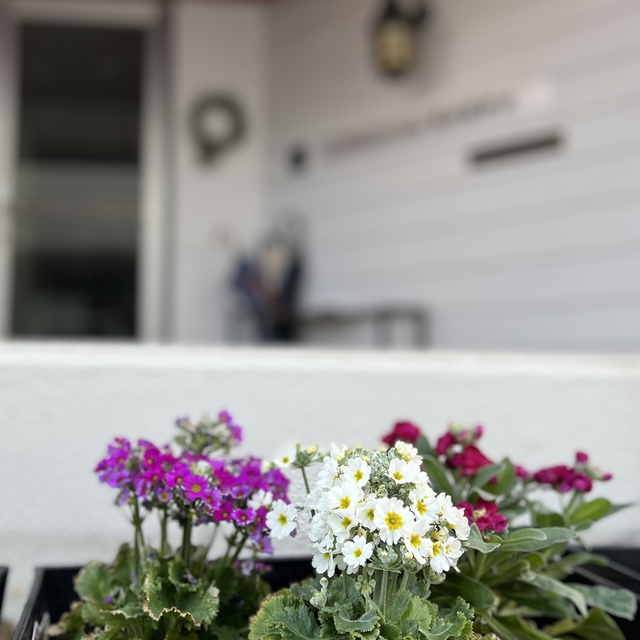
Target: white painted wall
[61, 404]
[538, 254]
[216, 47]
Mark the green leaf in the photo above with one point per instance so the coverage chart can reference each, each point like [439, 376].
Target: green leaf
[163, 598]
[536, 539]
[597, 626]
[422, 612]
[539, 603]
[424, 447]
[476, 541]
[590, 511]
[439, 477]
[475, 592]
[618, 602]
[455, 623]
[514, 628]
[282, 617]
[485, 474]
[548, 520]
[557, 588]
[564, 566]
[367, 622]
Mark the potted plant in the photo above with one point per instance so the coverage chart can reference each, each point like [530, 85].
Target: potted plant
[155, 588]
[522, 569]
[382, 538]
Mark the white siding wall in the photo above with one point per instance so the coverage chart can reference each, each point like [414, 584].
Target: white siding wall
[540, 252]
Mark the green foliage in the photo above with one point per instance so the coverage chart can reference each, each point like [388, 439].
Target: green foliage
[331, 610]
[523, 573]
[170, 603]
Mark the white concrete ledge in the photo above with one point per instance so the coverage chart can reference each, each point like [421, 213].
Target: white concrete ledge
[61, 403]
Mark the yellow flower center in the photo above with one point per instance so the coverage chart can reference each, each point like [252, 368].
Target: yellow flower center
[421, 507]
[397, 475]
[393, 521]
[358, 475]
[327, 556]
[345, 522]
[282, 519]
[345, 502]
[437, 549]
[357, 553]
[370, 514]
[196, 488]
[415, 540]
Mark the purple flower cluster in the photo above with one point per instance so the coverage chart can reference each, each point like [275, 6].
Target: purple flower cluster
[194, 487]
[579, 478]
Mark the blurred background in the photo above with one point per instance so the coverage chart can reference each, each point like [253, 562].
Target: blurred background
[411, 173]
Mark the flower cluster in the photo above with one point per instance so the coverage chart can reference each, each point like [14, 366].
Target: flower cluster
[485, 515]
[193, 487]
[377, 508]
[577, 478]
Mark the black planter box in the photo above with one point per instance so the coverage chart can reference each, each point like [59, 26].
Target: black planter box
[52, 591]
[3, 583]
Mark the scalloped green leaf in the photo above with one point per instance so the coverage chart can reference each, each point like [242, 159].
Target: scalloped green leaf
[163, 598]
[281, 617]
[366, 623]
[422, 612]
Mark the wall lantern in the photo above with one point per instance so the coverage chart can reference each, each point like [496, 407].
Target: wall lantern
[396, 39]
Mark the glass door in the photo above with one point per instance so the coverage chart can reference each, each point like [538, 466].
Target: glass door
[77, 181]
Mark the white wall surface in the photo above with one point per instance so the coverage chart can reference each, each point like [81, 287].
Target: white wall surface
[215, 47]
[62, 404]
[538, 253]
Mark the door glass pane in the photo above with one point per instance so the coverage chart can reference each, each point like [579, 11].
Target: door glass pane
[77, 181]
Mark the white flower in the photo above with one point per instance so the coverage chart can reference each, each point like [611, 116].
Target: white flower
[391, 518]
[407, 452]
[329, 473]
[457, 521]
[357, 471]
[281, 520]
[443, 551]
[365, 512]
[323, 562]
[284, 461]
[446, 510]
[356, 552]
[260, 498]
[320, 531]
[416, 542]
[403, 472]
[341, 524]
[423, 503]
[344, 497]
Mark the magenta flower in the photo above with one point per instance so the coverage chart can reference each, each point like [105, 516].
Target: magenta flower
[485, 515]
[469, 460]
[406, 431]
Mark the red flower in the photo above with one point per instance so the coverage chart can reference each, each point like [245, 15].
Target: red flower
[406, 431]
[485, 515]
[470, 460]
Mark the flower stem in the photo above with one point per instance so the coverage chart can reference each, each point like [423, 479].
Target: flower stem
[383, 592]
[186, 541]
[405, 580]
[164, 517]
[239, 549]
[306, 482]
[345, 585]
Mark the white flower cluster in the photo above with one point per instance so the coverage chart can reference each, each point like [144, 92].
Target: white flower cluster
[368, 506]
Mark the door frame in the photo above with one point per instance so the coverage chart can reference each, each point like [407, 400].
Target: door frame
[152, 292]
